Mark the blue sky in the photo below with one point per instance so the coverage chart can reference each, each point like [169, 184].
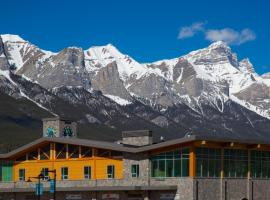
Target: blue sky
[146, 30]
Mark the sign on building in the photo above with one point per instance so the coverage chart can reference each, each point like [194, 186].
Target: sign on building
[73, 197]
[110, 196]
[167, 196]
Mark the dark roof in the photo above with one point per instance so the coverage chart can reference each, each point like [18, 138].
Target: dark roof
[57, 118]
[134, 149]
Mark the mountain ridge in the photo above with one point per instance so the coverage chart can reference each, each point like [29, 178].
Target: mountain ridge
[206, 86]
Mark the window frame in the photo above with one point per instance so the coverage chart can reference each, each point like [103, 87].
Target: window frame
[178, 160]
[45, 173]
[208, 162]
[64, 176]
[136, 168]
[21, 177]
[112, 174]
[87, 176]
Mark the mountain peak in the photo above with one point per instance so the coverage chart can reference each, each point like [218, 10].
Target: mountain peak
[266, 75]
[11, 38]
[246, 66]
[219, 44]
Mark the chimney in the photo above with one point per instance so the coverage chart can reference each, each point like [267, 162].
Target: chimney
[137, 137]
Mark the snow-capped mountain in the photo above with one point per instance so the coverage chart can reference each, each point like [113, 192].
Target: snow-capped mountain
[206, 87]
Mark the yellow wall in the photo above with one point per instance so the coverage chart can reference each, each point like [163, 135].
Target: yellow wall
[75, 167]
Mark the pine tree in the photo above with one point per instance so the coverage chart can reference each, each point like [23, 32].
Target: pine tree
[12, 67]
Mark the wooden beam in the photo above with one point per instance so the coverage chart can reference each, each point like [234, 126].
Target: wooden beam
[222, 164]
[249, 165]
[38, 154]
[192, 161]
[67, 156]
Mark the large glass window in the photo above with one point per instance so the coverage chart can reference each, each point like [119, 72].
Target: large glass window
[235, 163]
[208, 162]
[260, 164]
[64, 173]
[171, 164]
[110, 171]
[87, 172]
[21, 174]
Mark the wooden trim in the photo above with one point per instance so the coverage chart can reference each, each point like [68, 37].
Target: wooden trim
[38, 154]
[67, 156]
[192, 161]
[94, 153]
[222, 163]
[249, 165]
[80, 151]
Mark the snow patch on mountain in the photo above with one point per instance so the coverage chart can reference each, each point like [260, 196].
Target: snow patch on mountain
[20, 51]
[256, 109]
[118, 100]
[6, 74]
[11, 38]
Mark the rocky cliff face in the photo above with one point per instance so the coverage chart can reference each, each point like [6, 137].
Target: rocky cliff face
[207, 90]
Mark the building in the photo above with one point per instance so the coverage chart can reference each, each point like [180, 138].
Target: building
[195, 167]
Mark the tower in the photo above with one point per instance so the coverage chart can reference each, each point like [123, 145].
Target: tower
[59, 127]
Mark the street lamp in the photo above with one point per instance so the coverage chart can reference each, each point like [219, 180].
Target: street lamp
[39, 177]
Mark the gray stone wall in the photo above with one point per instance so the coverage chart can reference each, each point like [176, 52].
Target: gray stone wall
[229, 189]
[185, 186]
[51, 124]
[73, 126]
[259, 189]
[138, 141]
[235, 189]
[144, 169]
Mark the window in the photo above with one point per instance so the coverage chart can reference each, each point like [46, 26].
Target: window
[86, 152]
[110, 171]
[73, 151]
[87, 172]
[260, 164]
[103, 153]
[64, 173]
[33, 155]
[171, 164]
[61, 151]
[45, 173]
[235, 163]
[135, 171]
[45, 152]
[208, 162]
[21, 174]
